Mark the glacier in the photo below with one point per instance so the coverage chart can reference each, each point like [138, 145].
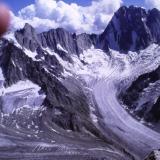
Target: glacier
[23, 93]
[61, 92]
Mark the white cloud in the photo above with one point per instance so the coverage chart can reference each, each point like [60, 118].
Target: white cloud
[47, 14]
[152, 4]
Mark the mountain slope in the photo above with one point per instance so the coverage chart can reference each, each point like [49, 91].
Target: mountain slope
[60, 120]
[56, 112]
[132, 29]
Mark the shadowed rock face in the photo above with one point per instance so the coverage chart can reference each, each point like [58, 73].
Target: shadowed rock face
[155, 111]
[146, 106]
[27, 38]
[131, 29]
[71, 43]
[153, 22]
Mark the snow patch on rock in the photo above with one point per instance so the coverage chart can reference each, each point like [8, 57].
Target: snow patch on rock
[31, 54]
[59, 47]
[10, 37]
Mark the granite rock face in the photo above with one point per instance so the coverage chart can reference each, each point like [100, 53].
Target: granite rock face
[58, 40]
[132, 29]
[143, 96]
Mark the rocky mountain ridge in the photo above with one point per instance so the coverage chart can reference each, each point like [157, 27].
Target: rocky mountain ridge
[42, 57]
[130, 29]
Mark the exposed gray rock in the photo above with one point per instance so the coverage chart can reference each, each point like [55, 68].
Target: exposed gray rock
[27, 37]
[72, 43]
[54, 39]
[153, 22]
[131, 29]
[144, 105]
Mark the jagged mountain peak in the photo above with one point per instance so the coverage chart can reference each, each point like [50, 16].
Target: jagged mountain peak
[125, 10]
[59, 40]
[28, 26]
[27, 30]
[154, 10]
[132, 29]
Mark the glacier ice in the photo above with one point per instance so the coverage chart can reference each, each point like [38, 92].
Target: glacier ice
[23, 93]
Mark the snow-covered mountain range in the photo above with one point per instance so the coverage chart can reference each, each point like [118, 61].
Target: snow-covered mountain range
[63, 95]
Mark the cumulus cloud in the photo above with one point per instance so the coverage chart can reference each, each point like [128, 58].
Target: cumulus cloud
[152, 4]
[47, 14]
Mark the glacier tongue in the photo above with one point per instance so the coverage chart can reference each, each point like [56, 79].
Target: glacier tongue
[21, 94]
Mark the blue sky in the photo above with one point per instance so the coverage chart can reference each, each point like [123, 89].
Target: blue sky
[44, 15]
[16, 5]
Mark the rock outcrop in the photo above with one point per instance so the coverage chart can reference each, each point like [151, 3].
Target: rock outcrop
[155, 155]
[132, 29]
